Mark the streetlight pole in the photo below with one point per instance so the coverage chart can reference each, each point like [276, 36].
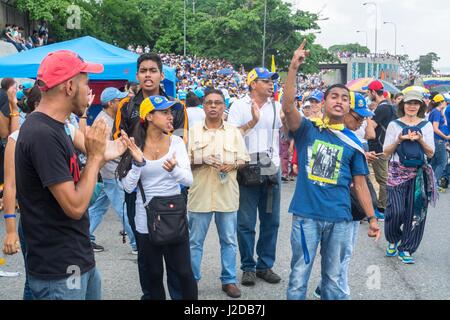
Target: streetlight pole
[264, 34]
[395, 31]
[184, 51]
[376, 23]
[367, 39]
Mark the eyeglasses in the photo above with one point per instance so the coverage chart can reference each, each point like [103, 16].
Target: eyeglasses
[357, 118]
[211, 102]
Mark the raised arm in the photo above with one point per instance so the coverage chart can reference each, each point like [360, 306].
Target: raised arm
[293, 116]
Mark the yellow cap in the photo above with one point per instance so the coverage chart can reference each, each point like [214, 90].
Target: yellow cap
[438, 98]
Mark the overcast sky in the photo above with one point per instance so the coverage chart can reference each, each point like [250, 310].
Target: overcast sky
[422, 25]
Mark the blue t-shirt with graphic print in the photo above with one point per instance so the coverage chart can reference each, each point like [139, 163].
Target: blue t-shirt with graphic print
[326, 166]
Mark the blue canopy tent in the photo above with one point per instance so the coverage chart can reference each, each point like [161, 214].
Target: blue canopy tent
[119, 64]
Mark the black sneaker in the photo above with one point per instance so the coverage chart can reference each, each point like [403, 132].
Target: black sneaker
[248, 278]
[268, 276]
[96, 247]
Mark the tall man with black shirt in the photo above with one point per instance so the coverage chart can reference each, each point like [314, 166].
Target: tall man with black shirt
[53, 194]
[149, 74]
[384, 113]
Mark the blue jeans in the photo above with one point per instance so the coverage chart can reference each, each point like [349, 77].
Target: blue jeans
[111, 194]
[343, 282]
[439, 160]
[27, 295]
[335, 241]
[88, 287]
[226, 223]
[251, 201]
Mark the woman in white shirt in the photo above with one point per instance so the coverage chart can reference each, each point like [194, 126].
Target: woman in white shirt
[408, 185]
[161, 164]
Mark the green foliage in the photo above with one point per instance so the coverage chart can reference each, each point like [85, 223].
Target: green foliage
[426, 63]
[230, 29]
[350, 47]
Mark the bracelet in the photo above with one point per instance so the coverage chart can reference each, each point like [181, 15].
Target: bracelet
[83, 117]
[373, 217]
[6, 216]
[139, 164]
[16, 114]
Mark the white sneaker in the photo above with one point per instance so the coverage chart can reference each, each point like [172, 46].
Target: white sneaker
[135, 252]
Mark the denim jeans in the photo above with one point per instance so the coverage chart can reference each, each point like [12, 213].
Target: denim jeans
[87, 287]
[343, 282]
[27, 295]
[335, 241]
[253, 200]
[439, 160]
[111, 194]
[226, 223]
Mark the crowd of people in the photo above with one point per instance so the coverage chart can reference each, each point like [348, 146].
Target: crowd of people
[348, 54]
[168, 166]
[17, 37]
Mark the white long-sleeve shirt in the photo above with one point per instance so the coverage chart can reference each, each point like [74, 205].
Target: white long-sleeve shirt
[158, 182]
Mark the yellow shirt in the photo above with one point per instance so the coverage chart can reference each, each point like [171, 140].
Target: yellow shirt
[208, 193]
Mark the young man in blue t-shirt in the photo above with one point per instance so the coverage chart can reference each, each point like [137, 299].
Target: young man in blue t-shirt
[330, 160]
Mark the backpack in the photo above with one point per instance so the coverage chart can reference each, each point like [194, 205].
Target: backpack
[411, 153]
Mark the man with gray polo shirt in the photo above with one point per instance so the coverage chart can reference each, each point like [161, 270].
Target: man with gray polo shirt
[112, 191]
[258, 118]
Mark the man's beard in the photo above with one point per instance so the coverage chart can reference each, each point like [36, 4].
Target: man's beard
[77, 109]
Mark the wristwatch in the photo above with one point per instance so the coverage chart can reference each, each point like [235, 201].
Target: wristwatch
[139, 164]
[373, 217]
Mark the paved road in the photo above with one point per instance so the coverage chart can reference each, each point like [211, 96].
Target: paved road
[372, 275]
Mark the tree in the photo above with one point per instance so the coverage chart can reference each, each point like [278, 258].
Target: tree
[350, 47]
[230, 29]
[426, 63]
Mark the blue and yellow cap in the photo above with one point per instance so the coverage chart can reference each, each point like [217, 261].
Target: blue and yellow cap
[317, 95]
[261, 73]
[359, 105]
[158, 103]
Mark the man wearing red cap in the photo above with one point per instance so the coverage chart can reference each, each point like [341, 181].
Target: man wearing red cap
[384, 113]
[53, 194]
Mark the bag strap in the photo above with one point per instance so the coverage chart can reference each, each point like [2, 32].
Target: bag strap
[422, 124]
[273, 127]
[401, 124]
[141, 189]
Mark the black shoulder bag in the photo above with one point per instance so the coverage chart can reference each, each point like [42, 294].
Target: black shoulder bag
[250, 174]
[166, 218]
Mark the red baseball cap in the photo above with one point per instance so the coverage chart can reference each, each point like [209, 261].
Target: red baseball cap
[374, 85]
[62, 65]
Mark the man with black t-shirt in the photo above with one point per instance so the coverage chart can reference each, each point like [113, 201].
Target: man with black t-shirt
[53, 194]
[384, 113]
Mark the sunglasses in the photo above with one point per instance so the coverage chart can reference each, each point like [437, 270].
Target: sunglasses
[357, 118]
